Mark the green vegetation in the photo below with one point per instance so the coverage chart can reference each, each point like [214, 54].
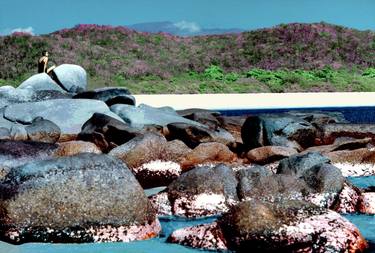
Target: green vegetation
[214, 80]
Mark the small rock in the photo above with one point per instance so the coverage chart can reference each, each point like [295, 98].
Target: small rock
[367, 203]
[269, 154]
[71, 148]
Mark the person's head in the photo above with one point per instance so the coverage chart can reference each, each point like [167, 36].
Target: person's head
[45, 53]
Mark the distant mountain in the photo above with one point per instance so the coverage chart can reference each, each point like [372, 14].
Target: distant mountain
[182, 28]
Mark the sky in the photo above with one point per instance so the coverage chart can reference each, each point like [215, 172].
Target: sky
[45, 16]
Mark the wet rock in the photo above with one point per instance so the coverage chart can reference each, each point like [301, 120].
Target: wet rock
[68, 114]
[110, 95]
[17, 153]
[106, 132]
[203, 191]
[207, 237]
[269, 154]
[193, 135]
[320, 118]
[359, 131]
[82, 198]
[143, 115]
[277, 130]
[72, 77]
[367, 203]
[76, 147]
[355, 163]
[291, 226]
[40, 81]
[43, 130]
[207, 153]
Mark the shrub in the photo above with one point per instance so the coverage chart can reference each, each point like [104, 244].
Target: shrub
[214, 73]
[231, 77]
[370, 72]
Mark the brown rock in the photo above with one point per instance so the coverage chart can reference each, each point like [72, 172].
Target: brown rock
[341, 143]
[233, 125]
[75, 147]
[207, 237]
[348, 199]
[211, 152]
[269, 154]
[332, 131]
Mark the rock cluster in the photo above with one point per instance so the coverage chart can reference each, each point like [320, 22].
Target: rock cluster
[74, 165]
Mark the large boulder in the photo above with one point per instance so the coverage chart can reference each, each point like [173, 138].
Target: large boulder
[109, 95]
[68, 114]
[278, 130]
[260, 226]
[107, 132]
[144, 115]
[72, 77]
[70, 148]
[82, 198]
[40, 81]
[193, 135]
[287, 227]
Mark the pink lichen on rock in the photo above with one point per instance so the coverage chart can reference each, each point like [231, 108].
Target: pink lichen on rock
[109, 233]
[352, 169]
[208, 237]
[347, 200]
[367, 203]
[161, 204]
[204, 204]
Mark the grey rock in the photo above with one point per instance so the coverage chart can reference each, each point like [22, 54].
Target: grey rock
[75, 199]
[110, 95]
[143, 115]
[68, 114]
[40, 81]
[72, 77]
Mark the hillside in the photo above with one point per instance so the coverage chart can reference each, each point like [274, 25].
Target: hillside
[109, 53]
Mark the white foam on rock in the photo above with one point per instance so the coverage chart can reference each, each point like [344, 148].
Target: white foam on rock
[159, 166]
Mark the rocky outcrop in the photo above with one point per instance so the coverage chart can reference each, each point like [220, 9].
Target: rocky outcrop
[68, 114]
[359, 131]
[82, 198]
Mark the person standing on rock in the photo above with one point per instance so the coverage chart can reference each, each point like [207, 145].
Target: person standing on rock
[43, 63]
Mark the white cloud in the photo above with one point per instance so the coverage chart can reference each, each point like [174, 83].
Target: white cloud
[29, 30]
[191, 27]
[9, 31]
